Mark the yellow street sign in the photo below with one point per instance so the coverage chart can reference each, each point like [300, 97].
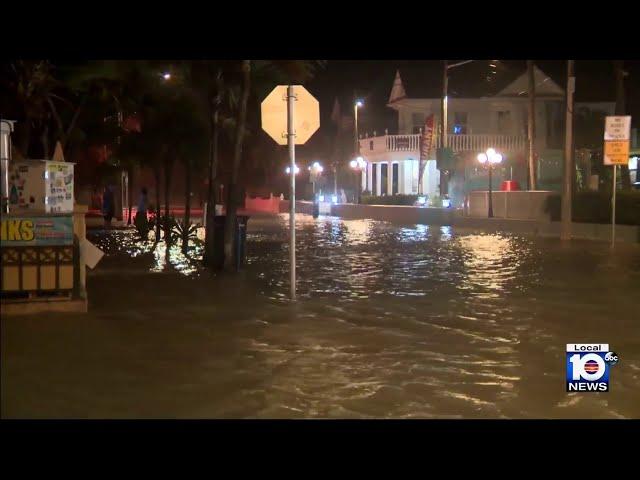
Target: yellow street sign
[616, 152]
[306, 117]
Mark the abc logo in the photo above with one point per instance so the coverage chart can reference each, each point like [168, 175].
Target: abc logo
[611, 358]
[590, 367]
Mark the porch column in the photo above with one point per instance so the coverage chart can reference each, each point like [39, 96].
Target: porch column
[390, 178]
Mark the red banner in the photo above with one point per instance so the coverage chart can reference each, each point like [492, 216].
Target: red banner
[427, 138]
[426, 145]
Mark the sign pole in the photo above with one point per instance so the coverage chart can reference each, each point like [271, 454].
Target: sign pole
[617, 134]
[292, 197]
[613, 208]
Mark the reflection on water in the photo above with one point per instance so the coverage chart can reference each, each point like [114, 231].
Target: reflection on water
[392, 321]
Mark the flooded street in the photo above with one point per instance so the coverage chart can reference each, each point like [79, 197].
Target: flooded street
[391, 322]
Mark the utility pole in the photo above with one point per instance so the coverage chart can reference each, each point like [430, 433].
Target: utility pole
[620, 110]
[532, 126]
[569, 170]
[443, 123]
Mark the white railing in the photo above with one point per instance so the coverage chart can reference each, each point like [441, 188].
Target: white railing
[459, 143]
[402, 143]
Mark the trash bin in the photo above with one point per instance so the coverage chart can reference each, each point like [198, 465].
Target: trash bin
[510, 186]
[240, 251]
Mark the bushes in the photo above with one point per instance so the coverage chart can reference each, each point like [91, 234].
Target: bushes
[595, 207]
[388, 199]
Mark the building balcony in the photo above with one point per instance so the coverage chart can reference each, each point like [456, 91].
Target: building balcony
[373, 146]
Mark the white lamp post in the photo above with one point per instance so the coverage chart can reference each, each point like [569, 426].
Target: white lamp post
[490, 157]
[358, 165]
[315, 170]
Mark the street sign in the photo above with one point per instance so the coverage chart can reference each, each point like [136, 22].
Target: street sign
[274, 114]
[616, 152]
[290, 115]
[617, 134]
[617, 128]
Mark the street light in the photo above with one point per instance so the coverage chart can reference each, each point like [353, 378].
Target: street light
[296, 170]
[491, 157]
[166, 76]
[315, 170]
[358, 165]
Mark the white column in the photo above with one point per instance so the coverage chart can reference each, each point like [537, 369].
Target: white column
[390, 178]
[377, 185]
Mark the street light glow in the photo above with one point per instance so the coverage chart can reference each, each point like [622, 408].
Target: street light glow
[358, 163]
[166, 76]
[296, 170]
[359, 103]
[482, 157]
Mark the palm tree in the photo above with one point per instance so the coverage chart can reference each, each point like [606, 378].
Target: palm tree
[232, 190]
[30, 83]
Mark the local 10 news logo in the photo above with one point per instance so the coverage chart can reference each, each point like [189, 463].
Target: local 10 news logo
[588, 366]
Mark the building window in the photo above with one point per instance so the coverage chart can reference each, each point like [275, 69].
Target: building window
[384, 167]
[370, 144]
[417, 121]
[504, 122]
[460, 123]
[374, 179]
[394, 178]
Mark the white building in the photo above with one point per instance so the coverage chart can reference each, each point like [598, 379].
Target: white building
[474, 124]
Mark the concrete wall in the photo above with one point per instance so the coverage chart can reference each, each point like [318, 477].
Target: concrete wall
[522, 205]
[267, 205]
[395, 213]
[406, 215]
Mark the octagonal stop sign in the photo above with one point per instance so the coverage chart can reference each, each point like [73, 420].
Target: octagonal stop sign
[306, 115]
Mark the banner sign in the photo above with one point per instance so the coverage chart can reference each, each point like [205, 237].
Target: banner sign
[34, 230]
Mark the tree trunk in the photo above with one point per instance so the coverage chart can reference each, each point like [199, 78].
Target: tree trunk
[618, 65]
[130, 193]
[532, 127]
[232, 200]
[25, 138]
[45, 141]
[156, 172]
[168, 163]
[209, 235]
[187, 207]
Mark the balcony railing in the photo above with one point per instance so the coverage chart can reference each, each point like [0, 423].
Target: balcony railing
[459, 143]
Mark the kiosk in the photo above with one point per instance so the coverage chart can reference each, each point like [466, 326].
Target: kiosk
[43, 235]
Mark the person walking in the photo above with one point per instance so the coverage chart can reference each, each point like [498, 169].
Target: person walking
[108, 205]
[141, 222]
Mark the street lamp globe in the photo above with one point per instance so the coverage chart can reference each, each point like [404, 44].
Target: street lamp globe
[166, 76]
[295, 171]
[353, 163]
[359, 103]
[490, 152]
[482, 157]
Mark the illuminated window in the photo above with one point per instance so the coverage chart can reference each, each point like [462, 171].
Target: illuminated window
[460, 123]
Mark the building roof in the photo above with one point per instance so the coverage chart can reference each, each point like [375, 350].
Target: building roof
[490, 78]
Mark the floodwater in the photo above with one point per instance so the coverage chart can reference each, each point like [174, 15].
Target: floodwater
[391, 322]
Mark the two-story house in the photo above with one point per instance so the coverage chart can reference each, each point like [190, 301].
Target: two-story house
[499, 121]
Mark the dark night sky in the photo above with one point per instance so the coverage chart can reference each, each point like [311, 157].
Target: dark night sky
[372, 80]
